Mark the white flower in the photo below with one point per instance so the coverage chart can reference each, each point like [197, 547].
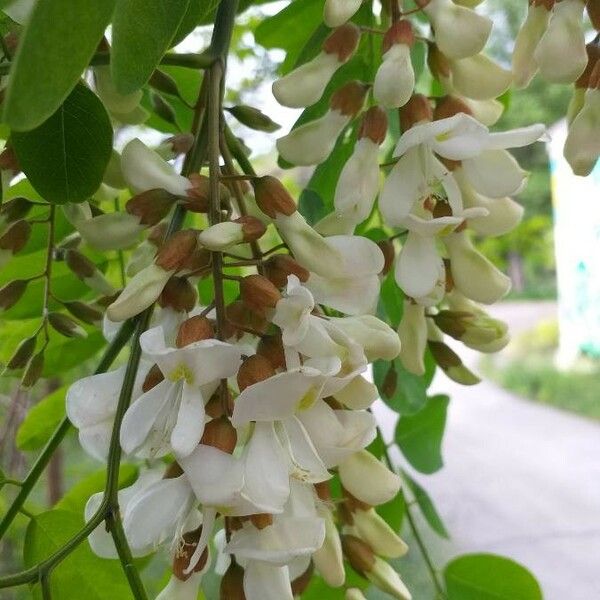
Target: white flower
[374, 530]
[145, 170]
[171, 415]
[177, 589]
[560, 53]
[459, 31]
[328, 559]
[478, 77]
[293, 312]
[337, 12]
[395, 78]
[413, 337]
[582, 146]
[358, 393]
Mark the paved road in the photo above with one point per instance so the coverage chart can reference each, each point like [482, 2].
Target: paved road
[522, 480]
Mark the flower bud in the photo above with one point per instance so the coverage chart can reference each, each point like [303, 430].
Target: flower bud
[87, 313]
[304, 86]
[14, 210]
[451, 364]
[413, 337]
[162, 108]
[560, 53]
[524, 65]
[258, 293]
[311, 143]
[359, 554]
[337, 12]
[193, 330]
[232, 583]
[151, 206]
[230, 233]
[152, 379]
[220, 433]
[378, 534]
[328, 559]
[478, 77]
[162, 82]
[358, 394]
[389, 255]
[240, 317]
[254, 118]
[280, 266]
[473, 274]
[261, 520]
[459, 31]
[395, 78]
[86, 271]
[22, 354]
[253, 370]
[173, 254]
[386, 579]
[354, 594]
[143, 170]
[65, 325]
[199, 194]
[33, 370]
[11, 293]
[185, 552]
[368, 479]
[272, 197]
[416, 110]
[216, 406]
[487, 112]
[271, 348]
[14, 239]
[179, 294]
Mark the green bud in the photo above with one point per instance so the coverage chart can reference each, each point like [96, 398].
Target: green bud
[164, 83]
[84, 312]
[22, 354]
[163, 109]
[33, 371]
[66, 326]
[253, 118]
[12, 292]
[451, 364]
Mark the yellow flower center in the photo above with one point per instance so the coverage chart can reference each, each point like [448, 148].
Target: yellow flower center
[181, 372]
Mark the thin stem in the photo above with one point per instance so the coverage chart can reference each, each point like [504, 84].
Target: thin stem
[238, 152]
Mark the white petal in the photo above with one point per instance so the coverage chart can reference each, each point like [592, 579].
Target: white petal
[467, 137]
[352, 296]
[190, 421]
[395, 78]
[337, 12]
[480, 78]
[517, 138]
[495, 174]
[263, 581]
[358, 394]
[419, 266]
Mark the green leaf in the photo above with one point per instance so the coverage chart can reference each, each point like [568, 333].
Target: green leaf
[410, 395]
[427, 506]
[66, 156]
[82, 574]
[66, 353]
[489, 577]
[42, 420]
[77, 496]
[142, 32]
[195, 13]
[419, 436]
[59, 40]
[391, 299]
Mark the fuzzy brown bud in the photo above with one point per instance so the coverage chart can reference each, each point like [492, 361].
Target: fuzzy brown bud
[389, 255]
[400, 32]
[157, 234]
[448, 106]
[181, 143]
[443, 355]
[254, 370]
[358, 553]
[198, 262]
[176, 250]
[272, 198]
[220, 433]
[342, 41]
[252, 228]
[198, 196]
[84, 312]
[179, 294]
[280, 266]
[153, 378]
[22, 354]
[374, 125]
[232, 583]
[261, 520]
[33, 370]
[193, 330]
[151, 207]
[214, 407]
[15, 238]
[417, 109]
[15, 209]
[258, 293]
[349, 99]
[185, 552]
[12, 292]
[271, 348]
[240, 317]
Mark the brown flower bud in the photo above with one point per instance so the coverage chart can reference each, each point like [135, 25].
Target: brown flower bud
[15, 209]
[271, 348]
[173, 471]
[448, 106]
[258, 293]
[199, 262]
[15, 238]
[22, 354]
[417, 109]
[252, 228]
[179, 294]
[193, 330]
[374, 125]
[261, 520]
[198, 199]
[240, 317]
[400, 32]
[185, 552]
[323, 490]
[593, 11]
[79, 264]
[349, 99]
[301, 582]
[65, 325]
[214, 407]
[84, 312]
[33, 370]
[181, 143]
[254, 370]
[358, 553]
[389, 255]
[176, 250]
[342, 41]
[437, 62]
[12, 292]
[232, 583]
[279, 266]
[221, 434]
[153, 378]
[152, 206]
[272, 198]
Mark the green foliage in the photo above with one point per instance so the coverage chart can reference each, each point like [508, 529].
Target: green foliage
[82, 574]
[489, 577]
[142, 32]
[42, 420]
[419, 436]
[426, 506]
[56, 46]
[66, 156]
